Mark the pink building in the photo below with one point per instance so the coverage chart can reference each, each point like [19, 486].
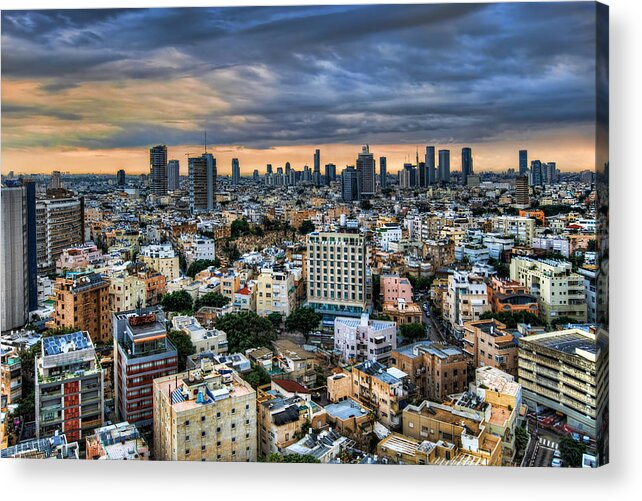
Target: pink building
[394, 287]
[76, 258]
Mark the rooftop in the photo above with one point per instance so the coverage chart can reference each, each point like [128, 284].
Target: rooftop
[66, 343]
[346, 409]
[571, 342]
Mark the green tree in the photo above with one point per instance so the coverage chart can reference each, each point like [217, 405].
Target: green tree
[275, 457]
[200, 265]
[177, 301]
[59, 331]
[366, 205]
[376, 291]
[240, 227]
[276, 318]
[521, 438]
[511, 319]
[306, 227]
[571, 452]
[246, 330]
[214, 299]
[412, 332]
[303, 320]
[592, 245]
[563, 321]
[258, 376]
[183, 345]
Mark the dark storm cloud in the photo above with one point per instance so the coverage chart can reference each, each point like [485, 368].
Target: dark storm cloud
[325, 74]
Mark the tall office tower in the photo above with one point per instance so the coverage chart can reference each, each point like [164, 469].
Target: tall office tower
[82, 302]
[337, 284]
[202, 182]
[366, 170]
[236, 172]
[430, 165]
[158, 169]
[255, 175]
[536, 173]
[307, 174]
[173, 175]
[522, 198]
[317, 161]
[288, 173]
[444, 166]
[268, 169]
[19, 253]
[55, 183]
[207, 414]
[422, 173]
[70, 387]
[523, 162]
[330, 173]
[551, 172]
[142, 352]
[383, 172]
[120, 177]
[466, 164]
[350, 184]
[60, 224]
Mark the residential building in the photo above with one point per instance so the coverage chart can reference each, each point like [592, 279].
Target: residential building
[522, 196]
[350, 187]
[394, 287]
[362, 339]
[78, 258]
[117, 441]
[489, 343]
[142, 352]
[295, 363]
[208, 414]
[69, 387]
[275, 291]
[173, 175]
[202, 175]
[54, 447]
[204, 340]
[522, 228]
[162, 258]
[505, 295]
[324, 446]
[10, 374]
[466, 299]
[402, 312]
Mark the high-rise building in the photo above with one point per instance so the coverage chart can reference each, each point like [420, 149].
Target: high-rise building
[466, 164]
[202, 182]
[337, 284]
[522, 198]
[82, 302]
[422, 173]
[383, 172]
[173, 175]
[236, 172]
[537, 178]
[69, 387]
[307, 174]
[444, 166]
[330, 173]
[120, 177]
[551, 172]
[60, 224]
[430, 165]
[317, 162]
[366, 170]
[55, 183]
[19, 253]
[158, 169]
[350, 184]
[206, 414]
[255, 175]
[268, 169]
[523, 162]
[142, 352]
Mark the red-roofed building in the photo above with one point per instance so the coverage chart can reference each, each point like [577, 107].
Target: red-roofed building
[245, 298]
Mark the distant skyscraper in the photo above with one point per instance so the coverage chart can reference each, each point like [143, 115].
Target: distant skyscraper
[55, 183]
[383, 172]
[430, 164]
[366, 170]
[202, 182]
[173, 175]
[268, 169]
[551, 173]
[19, 253]
[422, 173]
[466, 164]
[523, 162]
[255, 175]
[317, 161]
[120, 177]
[522, 198]
[444, 166]
[330, 173]
[158, 169]
[536, 173]
[236, 172]
[307, 174]
[350, 184]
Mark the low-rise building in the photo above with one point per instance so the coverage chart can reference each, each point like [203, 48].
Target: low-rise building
[465, 300]
[324, 446]
[204, 340]
[296, 363]
[55, 447]
[362, 339]
[117, 441]
[509, 296]
[162, 258]
[402, 312]
[489, 343]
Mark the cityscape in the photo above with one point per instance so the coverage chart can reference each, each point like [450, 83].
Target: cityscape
[294, 282]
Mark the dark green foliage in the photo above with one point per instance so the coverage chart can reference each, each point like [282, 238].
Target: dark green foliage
[177, 301]
[592, 246]
[366, 205]
[246, 330]
[214, 299]
[412, 332]
[521, 438]
[512, 319]
[240, 228]
[563, 321]
[59, 331]
[275, 457]
[201, 264]
[376, 291]
[276, 319]
[303, 320]
[258, 376]
[571, 452]
[306, 227]
[419, 283]
[183, 345]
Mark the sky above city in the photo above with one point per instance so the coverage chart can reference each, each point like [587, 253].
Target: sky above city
[92, 90]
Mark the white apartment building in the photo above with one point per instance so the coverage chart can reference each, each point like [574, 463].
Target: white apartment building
[162, 258]
[560, 292]
[363, 339]
[197, 247]
[204, 340]
[465, 300]
[523, 228]
[388, 233]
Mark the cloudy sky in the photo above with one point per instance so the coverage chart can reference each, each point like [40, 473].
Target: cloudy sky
[92, 90]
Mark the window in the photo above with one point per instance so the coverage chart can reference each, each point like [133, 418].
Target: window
[187, 423]
[186, 438]
[202, 418]
[202, 434]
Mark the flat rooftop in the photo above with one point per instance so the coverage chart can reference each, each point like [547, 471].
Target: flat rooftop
[571, 342]
[346, 409]
[66, 343]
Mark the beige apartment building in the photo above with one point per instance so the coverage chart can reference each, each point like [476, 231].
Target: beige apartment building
[275, 292]
[207, 414]
[522, 228]
[126, 292]
[560, 292]
[162, 258]
[489, 343]
[465, 300]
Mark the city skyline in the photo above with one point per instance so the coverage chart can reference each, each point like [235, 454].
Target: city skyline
[454, 76]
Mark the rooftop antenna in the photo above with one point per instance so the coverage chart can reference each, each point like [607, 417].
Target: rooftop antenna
[205, 141]
[417, 157]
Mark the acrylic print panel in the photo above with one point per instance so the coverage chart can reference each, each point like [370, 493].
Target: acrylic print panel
[284, 234]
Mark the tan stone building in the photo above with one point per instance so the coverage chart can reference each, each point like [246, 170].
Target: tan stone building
[489, 343]
[208, 414]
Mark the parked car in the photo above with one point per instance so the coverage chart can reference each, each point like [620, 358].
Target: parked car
[556, 463]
